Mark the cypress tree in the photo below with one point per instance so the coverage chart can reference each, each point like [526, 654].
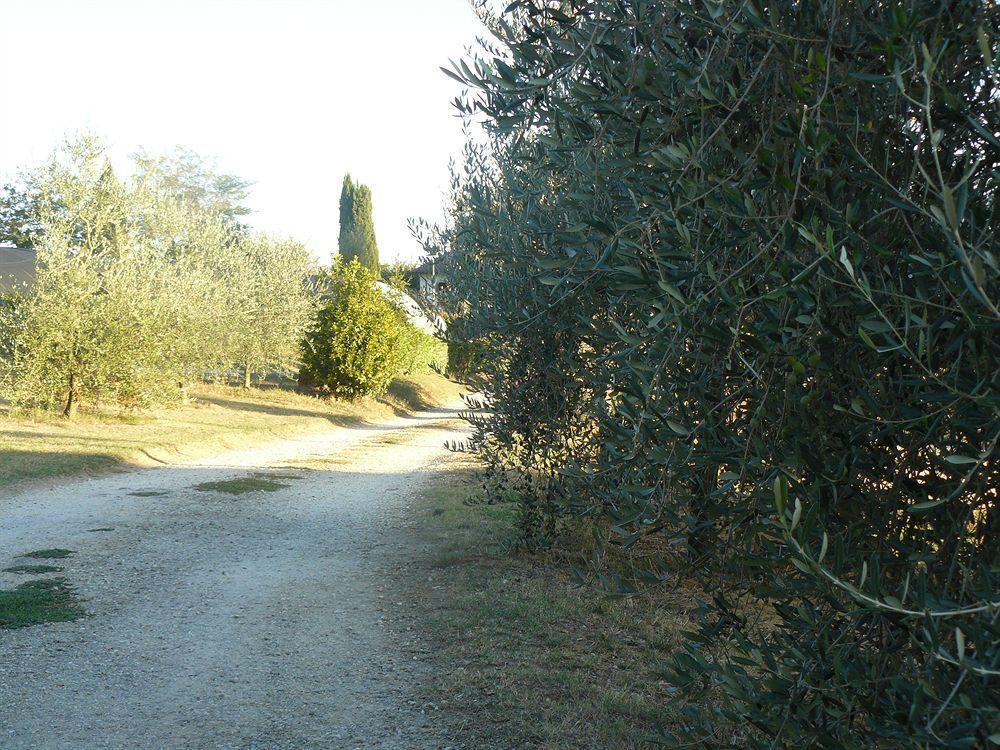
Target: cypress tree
[357, 229]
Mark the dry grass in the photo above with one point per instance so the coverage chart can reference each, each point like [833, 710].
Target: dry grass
[42, 445]
[525, 658]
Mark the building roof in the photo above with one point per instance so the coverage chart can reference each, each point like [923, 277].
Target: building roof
[17, 268]
[418, 318]
[425, 269]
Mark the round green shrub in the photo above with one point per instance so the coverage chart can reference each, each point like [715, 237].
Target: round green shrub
[352, 350]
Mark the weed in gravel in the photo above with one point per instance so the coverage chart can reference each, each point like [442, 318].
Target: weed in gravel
[147, 493]
[241, 486]
[32, 569]
[35, 602]
[56, 553]
[101, 528]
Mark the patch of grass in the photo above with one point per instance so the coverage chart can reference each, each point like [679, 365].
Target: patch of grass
[241, 486]
[37, 445]
[525, 656]
[35, 602]
[148, 493]
[56, 553]
[33, 569]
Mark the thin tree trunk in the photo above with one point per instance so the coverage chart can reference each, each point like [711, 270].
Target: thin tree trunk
[246, 377]
[72, 398]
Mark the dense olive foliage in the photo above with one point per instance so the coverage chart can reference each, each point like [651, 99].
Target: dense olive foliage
[736, 270]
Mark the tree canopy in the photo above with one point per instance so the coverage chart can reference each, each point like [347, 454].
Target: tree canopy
[141, 288]
[357, 228]
[736, 269]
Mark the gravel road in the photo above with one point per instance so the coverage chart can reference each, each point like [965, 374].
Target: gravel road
[229, 621]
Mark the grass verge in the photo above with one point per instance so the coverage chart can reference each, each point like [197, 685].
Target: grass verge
[35, 602]
[42, 445]
[524, 657]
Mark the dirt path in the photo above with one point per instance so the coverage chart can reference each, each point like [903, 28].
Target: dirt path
[228, 621]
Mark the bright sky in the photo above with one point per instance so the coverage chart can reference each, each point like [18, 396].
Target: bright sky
[290, 94]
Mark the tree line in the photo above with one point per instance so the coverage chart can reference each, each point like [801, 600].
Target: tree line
[732, 276]
[147, 285]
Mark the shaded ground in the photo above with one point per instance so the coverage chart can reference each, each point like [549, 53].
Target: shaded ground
[219, 619]
[524, 657]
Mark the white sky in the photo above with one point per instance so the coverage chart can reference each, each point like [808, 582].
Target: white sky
[290, 94]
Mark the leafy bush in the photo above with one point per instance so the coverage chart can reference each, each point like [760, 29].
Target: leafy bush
[352, 349]
[420, 352]
[735, 271]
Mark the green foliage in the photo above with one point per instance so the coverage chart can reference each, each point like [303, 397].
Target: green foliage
[241, 486]
[54, 553]
[735, 270]
[399, 275]
[352, 348]
[32, 569]
[144, 285]
[18, 214]
[96, 323]
[39, 601]
[272, 302]
[193, 181]
[420, 352]
[357, 228]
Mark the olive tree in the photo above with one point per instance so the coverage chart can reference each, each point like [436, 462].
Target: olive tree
[272, 304]
[142, 288]
[735, 266]
[94, 325]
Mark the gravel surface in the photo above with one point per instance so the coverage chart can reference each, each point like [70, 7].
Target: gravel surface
[221, 621]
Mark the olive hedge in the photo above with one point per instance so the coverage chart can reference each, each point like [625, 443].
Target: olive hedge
[735, 270]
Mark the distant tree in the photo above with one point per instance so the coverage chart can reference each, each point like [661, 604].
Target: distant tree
[273, 304]
[19, 213]
[357, 228]
[352, 348]
[194, 180]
